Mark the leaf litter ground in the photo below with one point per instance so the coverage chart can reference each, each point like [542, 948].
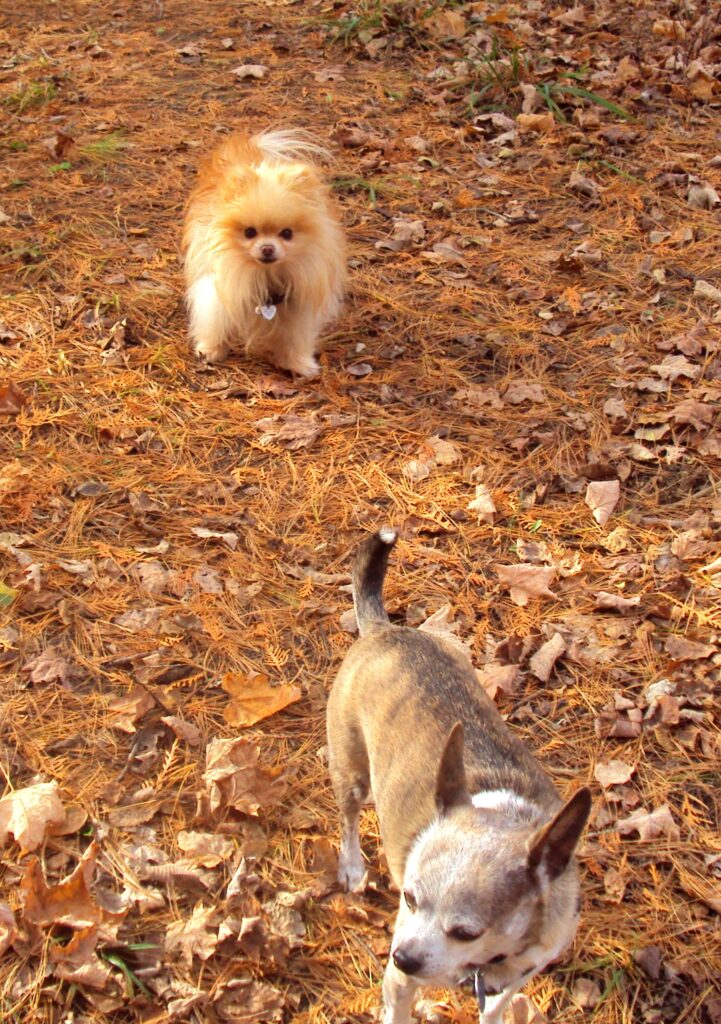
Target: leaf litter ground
[525, 380]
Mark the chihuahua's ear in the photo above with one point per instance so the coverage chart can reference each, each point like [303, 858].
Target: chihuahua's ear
[551, 848]
[451, 786]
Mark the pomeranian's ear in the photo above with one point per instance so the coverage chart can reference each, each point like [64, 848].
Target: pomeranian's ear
[302, 176]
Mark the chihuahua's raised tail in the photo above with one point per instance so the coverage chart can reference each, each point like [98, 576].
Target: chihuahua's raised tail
[369, 570]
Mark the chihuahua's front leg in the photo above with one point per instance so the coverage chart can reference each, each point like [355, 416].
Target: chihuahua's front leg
[398, 995]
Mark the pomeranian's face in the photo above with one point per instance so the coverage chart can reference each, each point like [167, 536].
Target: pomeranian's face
[273, 219]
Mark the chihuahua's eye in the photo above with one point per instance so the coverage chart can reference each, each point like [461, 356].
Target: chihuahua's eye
[497, 959]
[410, 900]
[287, 234]
[461, 934]
[250, 232]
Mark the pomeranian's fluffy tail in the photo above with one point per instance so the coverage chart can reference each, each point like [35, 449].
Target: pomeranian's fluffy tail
[290, 144]
[369, 570]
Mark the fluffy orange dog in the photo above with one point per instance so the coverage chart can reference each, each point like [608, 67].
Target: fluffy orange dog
[264, 253]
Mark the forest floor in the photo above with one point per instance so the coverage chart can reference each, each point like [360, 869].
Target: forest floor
[526, 374]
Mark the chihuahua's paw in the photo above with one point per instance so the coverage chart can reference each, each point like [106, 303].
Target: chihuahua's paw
[211, 351]
[352, 872]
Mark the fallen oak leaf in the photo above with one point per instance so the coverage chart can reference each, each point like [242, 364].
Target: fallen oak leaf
[192, 937]
[673, 367]
[78, 963]
[234, 778]
[602, 497]
[48, 667]
[697, 414]
[526, 581]
[28, 814]
[483, 505]
[439, 624]
[254, 698]
[613, 773]
[183, 730]
[130, 708]
[288, 429]
[680, 648]
[495, 677]
[650, 824]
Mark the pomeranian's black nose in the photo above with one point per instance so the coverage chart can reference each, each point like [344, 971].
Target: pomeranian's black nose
[406, 963]
[267, 252]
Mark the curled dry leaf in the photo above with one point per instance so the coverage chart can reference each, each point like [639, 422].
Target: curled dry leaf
[483, 505]
[245, 71]
[445, 453]
[673, 367]
[285, 917]
[77, 963]
[602, 497]
[604, 600]
[207, 848]
[249, 1002]
[183, 730]
[28, 814]
[519, 391]
[191, 938]
[254, 698]
[234, 778]
[474, 399]
[541, 123]
[613, 773]
[650, 824]
[526, 581]
[524, 1011]
[698, 414]
[228, 538]
[586, 993]
[546, 656]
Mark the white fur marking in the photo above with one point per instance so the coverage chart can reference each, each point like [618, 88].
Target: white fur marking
[387, 534]
[497, 799]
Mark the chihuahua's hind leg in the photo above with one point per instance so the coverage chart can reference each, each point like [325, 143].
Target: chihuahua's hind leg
[348, 765]
[351, 867]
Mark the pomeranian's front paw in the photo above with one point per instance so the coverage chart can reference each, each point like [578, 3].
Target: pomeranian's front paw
[211, 351]
[303, 366]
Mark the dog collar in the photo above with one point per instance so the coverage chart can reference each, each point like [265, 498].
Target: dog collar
[269, 307]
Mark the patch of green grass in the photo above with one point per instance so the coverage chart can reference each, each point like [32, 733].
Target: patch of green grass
[106, 149]
[17, 146]
[554, 93]
[370, 18]
[31, 94]
[495, 78]
[64, 165]
[353, 185]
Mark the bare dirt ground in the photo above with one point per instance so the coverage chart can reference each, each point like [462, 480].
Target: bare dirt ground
[526, 375]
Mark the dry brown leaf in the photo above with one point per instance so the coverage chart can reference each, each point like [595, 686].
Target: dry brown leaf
[546, 656]
[440, 624]
[254, 698]
[252, 71]
[50, 666]
[11, 399]
[703, 196]
[8, 928]
[28, 814]
[445, 453]
[207, 848]
[586, 993]
[77, 962]
[519, 391]
[698, 414]
[285, 917]
[416, 470]
[615, 408]
[673, 367]
[524, 1011]
[126, 711]
[541, 123]
[614, 884]
[680, 648]
[249, 1002]
[183, 730]
[474, 399]
[495, 677]
[191, 938]
[602, 497]
[70, 902]
[613, 773]
[618, 603]
[650, 824]
[526, 581]
[483, 505]
[446, 24]
[290, 430]
[234, 778]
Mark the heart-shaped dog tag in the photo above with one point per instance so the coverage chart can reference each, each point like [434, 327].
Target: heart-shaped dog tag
[267, 312]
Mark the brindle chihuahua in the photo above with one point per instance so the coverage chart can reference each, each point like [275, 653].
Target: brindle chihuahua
[476, 836]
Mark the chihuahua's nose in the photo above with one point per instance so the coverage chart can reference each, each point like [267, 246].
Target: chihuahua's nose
[406, 963]
[267, 252]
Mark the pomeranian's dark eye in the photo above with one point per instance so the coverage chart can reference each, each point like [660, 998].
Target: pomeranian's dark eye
[250, 232]
[410, 900]
[463, 934]
[287, 234]
[497, 959]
